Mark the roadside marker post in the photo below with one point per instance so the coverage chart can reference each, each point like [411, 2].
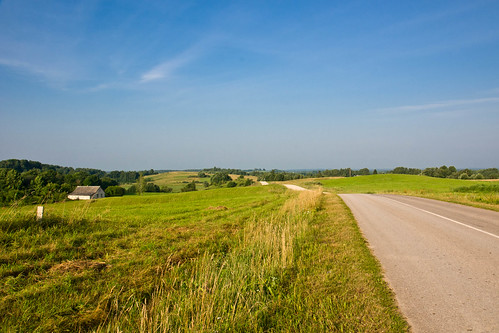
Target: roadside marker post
[39, 213]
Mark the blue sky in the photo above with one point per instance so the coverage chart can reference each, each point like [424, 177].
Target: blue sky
[250, 84]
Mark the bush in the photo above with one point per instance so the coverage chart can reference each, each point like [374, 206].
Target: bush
[115, 191]
[166, 189]
[151, 187]
[220, 178]
[241, 181]
[231, 184]
[132, 190]
[189, 187]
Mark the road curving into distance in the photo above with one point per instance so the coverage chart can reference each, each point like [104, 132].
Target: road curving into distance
[295, 187]
[440, 259]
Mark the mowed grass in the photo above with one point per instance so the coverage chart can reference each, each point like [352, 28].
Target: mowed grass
[452, 190]
[252, 259]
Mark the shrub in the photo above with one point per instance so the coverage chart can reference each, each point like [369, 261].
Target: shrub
[220, 178]
[151, 187]
[244, 181]
[464, 176]
[231, 184]
[132, 190]
[248, 182]
[166, 189]
[115, 191]
[189, 187]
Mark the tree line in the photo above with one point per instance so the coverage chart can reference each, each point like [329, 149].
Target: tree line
[438, 172]
[280, 175]
[449, 172]
[215, 170]
[122, 177]
[31, 182]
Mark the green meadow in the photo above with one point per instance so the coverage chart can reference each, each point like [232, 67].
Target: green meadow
[257, 259]
[482, 194]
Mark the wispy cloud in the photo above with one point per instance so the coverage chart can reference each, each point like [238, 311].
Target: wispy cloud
[438, 105]
[163, 71]
[166, 69]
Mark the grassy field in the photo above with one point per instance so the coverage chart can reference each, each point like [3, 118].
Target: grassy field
[178, 179]
[475, 193]
[258, 259]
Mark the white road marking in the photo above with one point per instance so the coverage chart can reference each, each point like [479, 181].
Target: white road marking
[445, 218]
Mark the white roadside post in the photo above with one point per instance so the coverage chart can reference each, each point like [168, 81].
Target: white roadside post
[39, 213]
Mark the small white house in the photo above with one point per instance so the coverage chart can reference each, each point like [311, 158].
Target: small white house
[86, 193]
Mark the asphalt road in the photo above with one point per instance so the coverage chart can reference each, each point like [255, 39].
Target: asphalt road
[440, 259]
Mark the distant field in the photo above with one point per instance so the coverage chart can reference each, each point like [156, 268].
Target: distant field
[243, 259]
[254, 178]
[423, 186]
[178, 179]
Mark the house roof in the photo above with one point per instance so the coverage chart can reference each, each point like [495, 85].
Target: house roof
[85, 190]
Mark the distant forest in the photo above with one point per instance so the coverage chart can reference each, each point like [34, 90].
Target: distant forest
[31, 182]
[439, 172]
[450, 172]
